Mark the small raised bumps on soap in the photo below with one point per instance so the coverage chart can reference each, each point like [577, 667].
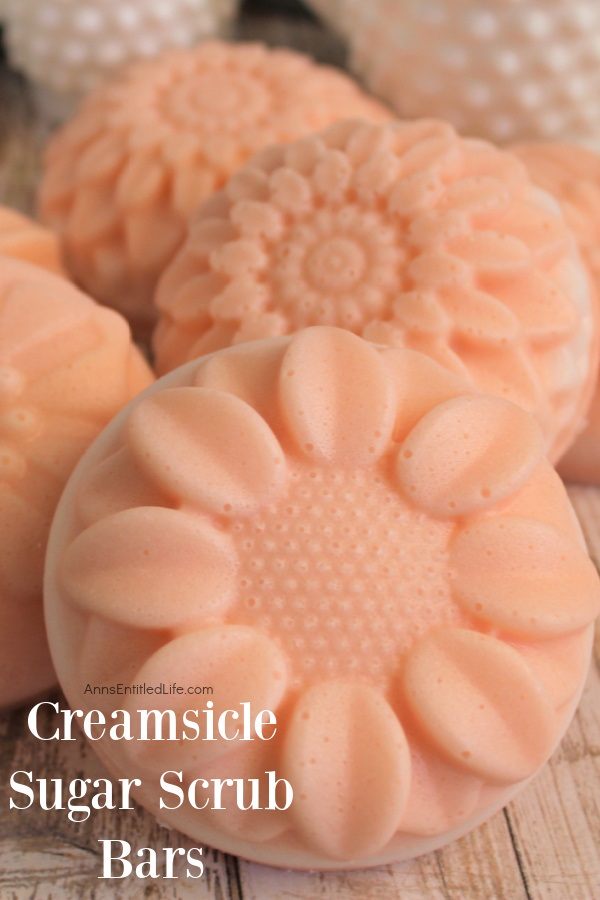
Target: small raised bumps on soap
[409, 235]
[572, 175]
[347, 535]
[503, 71]
[67, 366]
[123, 177]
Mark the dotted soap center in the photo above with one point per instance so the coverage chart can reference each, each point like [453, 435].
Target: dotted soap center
[341, 269]
[211, 97]
[338, 264]
[344, 574]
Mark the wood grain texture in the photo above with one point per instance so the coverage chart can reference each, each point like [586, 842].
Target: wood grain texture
[544, 846]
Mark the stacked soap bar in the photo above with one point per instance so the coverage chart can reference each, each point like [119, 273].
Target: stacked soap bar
[335, 505]
[66, 366]
[123, 178]
[405, 233]
[347, 536]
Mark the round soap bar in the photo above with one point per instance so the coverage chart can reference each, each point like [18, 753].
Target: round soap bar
[68, 47]
[572, 174]
[22, 238]
[122, 179]
[407, 234]
[344, 535]
[504, 71]
[66, 367]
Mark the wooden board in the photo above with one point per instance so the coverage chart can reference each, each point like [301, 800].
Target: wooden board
[544, 846]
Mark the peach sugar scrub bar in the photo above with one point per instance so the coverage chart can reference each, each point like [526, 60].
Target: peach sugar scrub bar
[572, 175]
[409, 235]
[346, 535]
[122, 179]
[66, 366]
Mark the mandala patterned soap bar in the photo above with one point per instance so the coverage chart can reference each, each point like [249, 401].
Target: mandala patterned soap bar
[124, 176]
[66, 367]
[347, 536]
[409, 235]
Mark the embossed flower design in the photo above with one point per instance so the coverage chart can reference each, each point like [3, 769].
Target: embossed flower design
[124, 176]
[406, 234]
[343, 534]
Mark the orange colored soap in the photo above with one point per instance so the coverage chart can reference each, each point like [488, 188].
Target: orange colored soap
[22, 238]
[345, 535]
[122, 179]
[66, 367]
[406, 234]
[572, 175]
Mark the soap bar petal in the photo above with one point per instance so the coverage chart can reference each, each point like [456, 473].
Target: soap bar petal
[350, 793]
[477, 700]
[128, 564]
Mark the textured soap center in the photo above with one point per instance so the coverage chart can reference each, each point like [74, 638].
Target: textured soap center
[217, 98]
[336, 265]
[343, 268]
[344, 574]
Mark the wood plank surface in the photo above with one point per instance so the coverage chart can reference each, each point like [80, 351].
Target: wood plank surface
[544, 846]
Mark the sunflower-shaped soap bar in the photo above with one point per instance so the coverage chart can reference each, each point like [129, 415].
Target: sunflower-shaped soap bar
[342, 534]
[122, 179]
[66, 367]
[409, 235]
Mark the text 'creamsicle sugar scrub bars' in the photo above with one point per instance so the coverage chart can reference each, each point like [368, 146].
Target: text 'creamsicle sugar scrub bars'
[66, 367]
[407, 234]
[347, 536]
[123, 177]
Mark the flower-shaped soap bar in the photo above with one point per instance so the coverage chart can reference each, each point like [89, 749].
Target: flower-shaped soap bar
[68, 47]
[124, 176]
[572, 175]
[404, 233]
[66, 367]
[22, 238]
[342, 534]
[502, 70]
